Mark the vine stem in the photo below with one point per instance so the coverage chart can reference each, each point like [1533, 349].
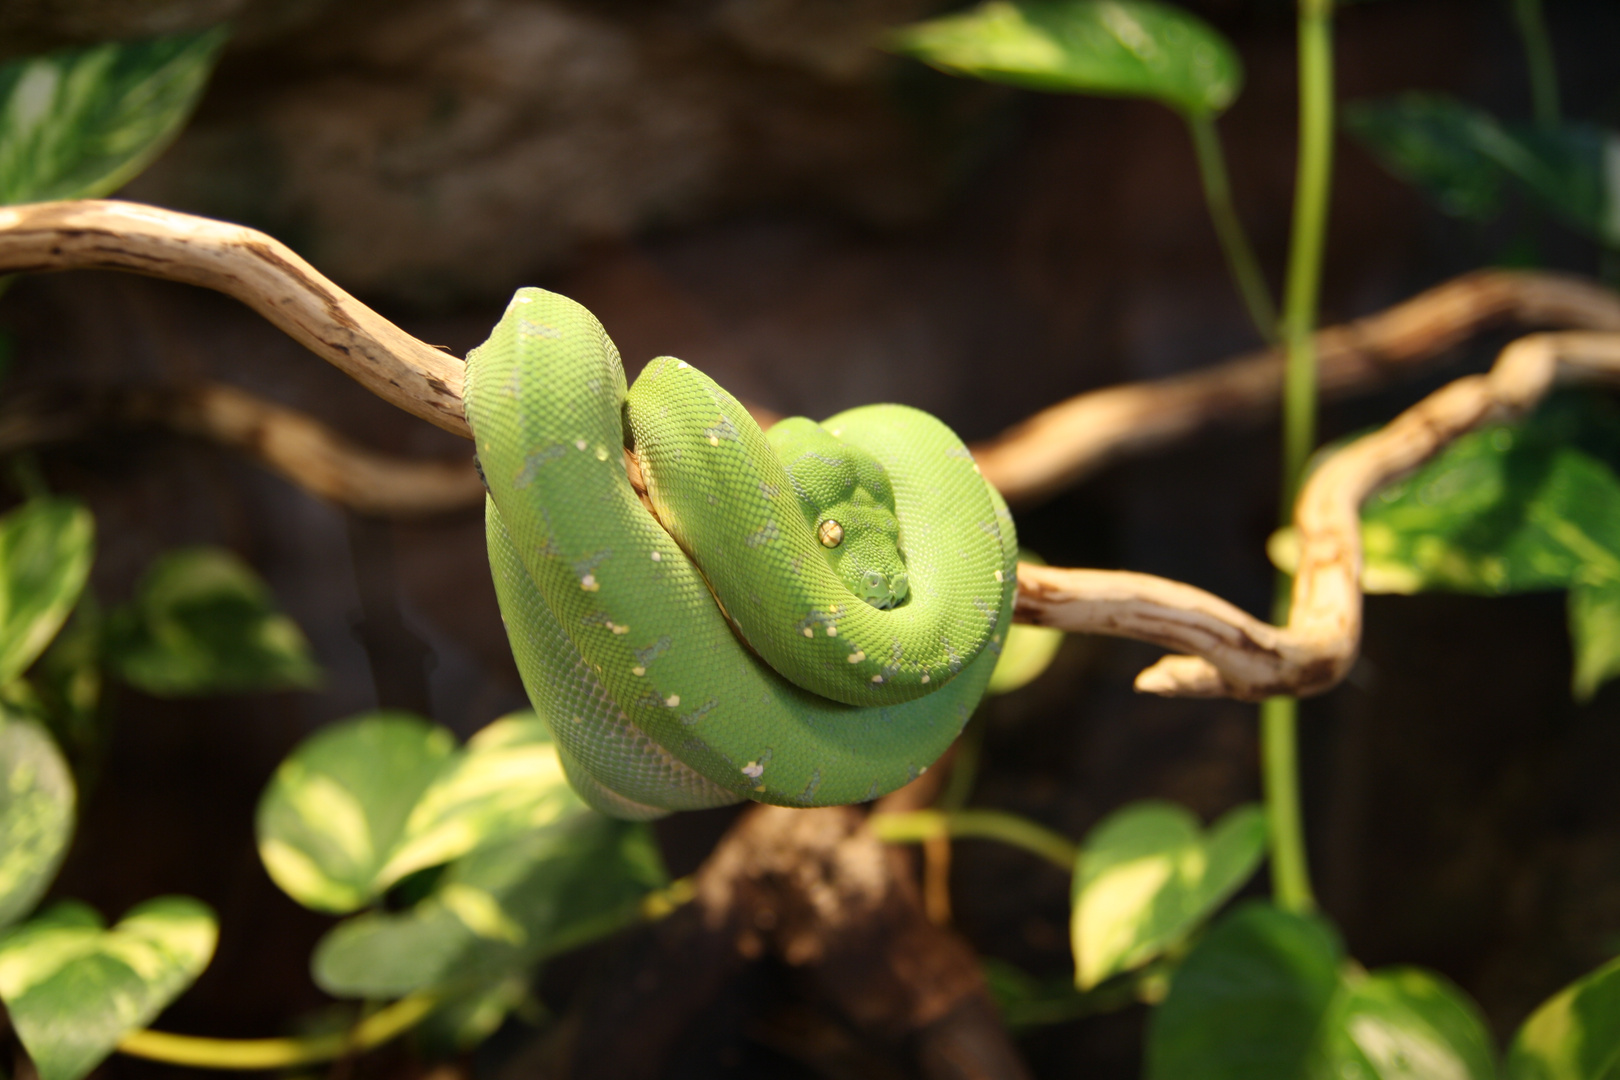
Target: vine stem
[1538, 57]
[915, 826]
[1240, 257]
[381, 1026]
[1279, 716]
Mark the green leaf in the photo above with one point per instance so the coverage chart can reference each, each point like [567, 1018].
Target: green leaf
[1028, 650]
[1594, 631]
[1120, 48]
[336, 809]
[73, 989]
[1437, 144]
[1147, 875]
[36, 815]
[1406, 1024]
[46, 547]
[1249, 1000]
[1573, 170]
[202, 622]
[498, 910]
[80, 123]
[468, 1018]
[1574, 1035]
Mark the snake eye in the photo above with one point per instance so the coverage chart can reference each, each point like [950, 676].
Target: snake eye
[831, 533]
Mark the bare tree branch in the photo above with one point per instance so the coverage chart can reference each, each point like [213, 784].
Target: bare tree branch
[1233, 654]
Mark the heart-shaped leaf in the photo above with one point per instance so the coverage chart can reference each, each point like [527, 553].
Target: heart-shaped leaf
[1147, 875]
[73, 988]
[499, 909]
[1120, 48]
[1249, 1000]
[81, 122]
[336, 809]
[202, 622]
[36, 815]
[1436, 143]
[1405, 1024]
[46, 546]
[1574, 1035]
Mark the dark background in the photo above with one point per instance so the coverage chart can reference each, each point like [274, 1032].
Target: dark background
[748, 185]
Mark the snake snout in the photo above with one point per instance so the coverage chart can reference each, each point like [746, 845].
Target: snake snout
[884, 591]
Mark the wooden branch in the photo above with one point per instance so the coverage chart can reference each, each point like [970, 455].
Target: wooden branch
[1238, 656]
[1234, 654]
[97, 234]
[1063, 444]
[298, 447]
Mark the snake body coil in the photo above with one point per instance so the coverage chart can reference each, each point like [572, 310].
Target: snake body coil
[717, 651]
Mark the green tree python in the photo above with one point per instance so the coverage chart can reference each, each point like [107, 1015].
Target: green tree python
[806, 617]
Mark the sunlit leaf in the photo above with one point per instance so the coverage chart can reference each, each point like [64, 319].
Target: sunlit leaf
[336, 809]
[1248, 1001]
[1594, 631]
[81, 122]
[202, 622]
[1574, 1035]
[1436, 143]
[1405, 1024]
[46, 547]
[1121, 48]
[1147, 875]
[499, 909]
[36, 815]
[73, 988]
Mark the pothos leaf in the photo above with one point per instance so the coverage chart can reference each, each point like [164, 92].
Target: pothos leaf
[46, 547]
[1120, 48]
[36, 814]
[81, 122]
[1574, 1035]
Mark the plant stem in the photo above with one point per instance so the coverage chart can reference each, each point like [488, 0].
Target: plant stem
[381, 1026]
[1290, 875]
[1538, 57]
[1240, 258]
[916, 826]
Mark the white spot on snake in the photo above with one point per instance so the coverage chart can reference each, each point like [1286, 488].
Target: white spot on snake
[714, 440]
[657, 557]
[753, 770]
[579, 443]
[809, 632]
[601, 453]
[523, 300]
[832, 631]
[857, 656]
[638, 670]
[877, 678]
[681, 364]
[925, 678]
[617, 629]
[999, 577]
[588, 583]
[922, 770]
[673, 700]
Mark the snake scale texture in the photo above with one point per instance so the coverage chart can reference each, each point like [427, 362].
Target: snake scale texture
[804, 618]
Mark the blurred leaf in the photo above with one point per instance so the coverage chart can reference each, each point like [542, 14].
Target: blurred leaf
[1406, 1024]
[1572, 169]
[1028, 650]
[338, 805]
[80, 123]
[46, 547]
[468, 1018]
[499, 909]
[202, 622]
[73, 989]
[1249, 1000]
[1574, 1035]
[68, 677]
[1120, 48]
[507, 781]
[1594, 631]
[1147, 876]
[1435, 143]
[36, 815]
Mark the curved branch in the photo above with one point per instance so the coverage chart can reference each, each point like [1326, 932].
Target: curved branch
[1235, 654]
[98, 234]
[1075, 438]
[1238, 656]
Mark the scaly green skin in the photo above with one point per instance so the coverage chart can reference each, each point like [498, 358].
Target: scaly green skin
[655, 703]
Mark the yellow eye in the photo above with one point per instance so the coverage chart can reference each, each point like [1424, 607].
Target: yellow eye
[831, 533]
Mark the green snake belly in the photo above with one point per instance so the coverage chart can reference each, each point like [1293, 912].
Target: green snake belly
[655, 700]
